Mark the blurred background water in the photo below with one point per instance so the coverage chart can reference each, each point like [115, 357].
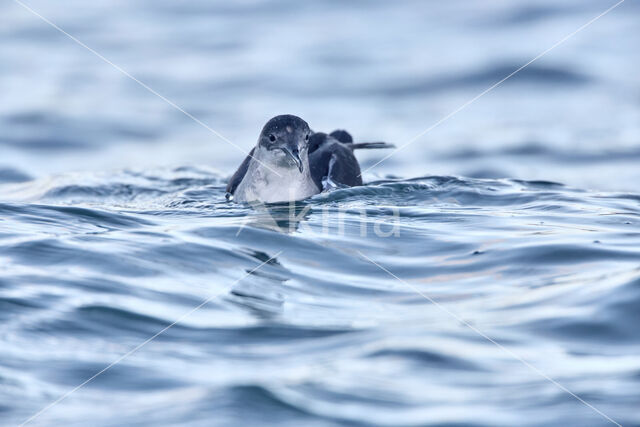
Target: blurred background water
[520, 215]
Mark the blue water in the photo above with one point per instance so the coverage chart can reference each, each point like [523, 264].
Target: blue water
[487, 274]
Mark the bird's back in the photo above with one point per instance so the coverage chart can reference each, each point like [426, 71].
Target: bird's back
[333, 161]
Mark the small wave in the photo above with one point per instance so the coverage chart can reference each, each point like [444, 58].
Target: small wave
[565, 157]
[424, 357]
[533, 74]
[10, 175]
[100, 263]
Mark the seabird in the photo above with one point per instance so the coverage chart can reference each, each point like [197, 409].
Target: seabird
[291, 162]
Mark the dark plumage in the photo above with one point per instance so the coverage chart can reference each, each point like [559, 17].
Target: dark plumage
[236, 178]
[333, 161]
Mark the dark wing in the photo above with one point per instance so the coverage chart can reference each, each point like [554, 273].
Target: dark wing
[342, 136]
[343, 167]
[332, 162]
[237, 177]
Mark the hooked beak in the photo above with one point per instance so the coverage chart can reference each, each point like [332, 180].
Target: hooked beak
[295, 156]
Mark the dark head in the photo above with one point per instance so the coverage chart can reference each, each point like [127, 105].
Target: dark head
[286, 139]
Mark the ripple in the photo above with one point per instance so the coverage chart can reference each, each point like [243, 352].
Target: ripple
[532, 264]
[533, 74]
[13, 175]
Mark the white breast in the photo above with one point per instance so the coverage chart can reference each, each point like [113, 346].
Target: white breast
[277, 185]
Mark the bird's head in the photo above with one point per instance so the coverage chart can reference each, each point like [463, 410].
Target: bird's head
[284, 141]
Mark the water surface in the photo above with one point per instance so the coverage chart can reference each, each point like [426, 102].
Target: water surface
[512, 230]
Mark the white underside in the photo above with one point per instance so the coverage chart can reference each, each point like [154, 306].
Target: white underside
[278, 185]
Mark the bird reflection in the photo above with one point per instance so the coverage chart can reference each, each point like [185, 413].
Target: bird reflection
[281, 217]
[259, 292]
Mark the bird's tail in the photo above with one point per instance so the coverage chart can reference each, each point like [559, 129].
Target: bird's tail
[346, 138]
[370, 145]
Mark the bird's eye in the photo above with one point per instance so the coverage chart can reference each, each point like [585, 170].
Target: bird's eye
[306, 138]
[272, 138]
